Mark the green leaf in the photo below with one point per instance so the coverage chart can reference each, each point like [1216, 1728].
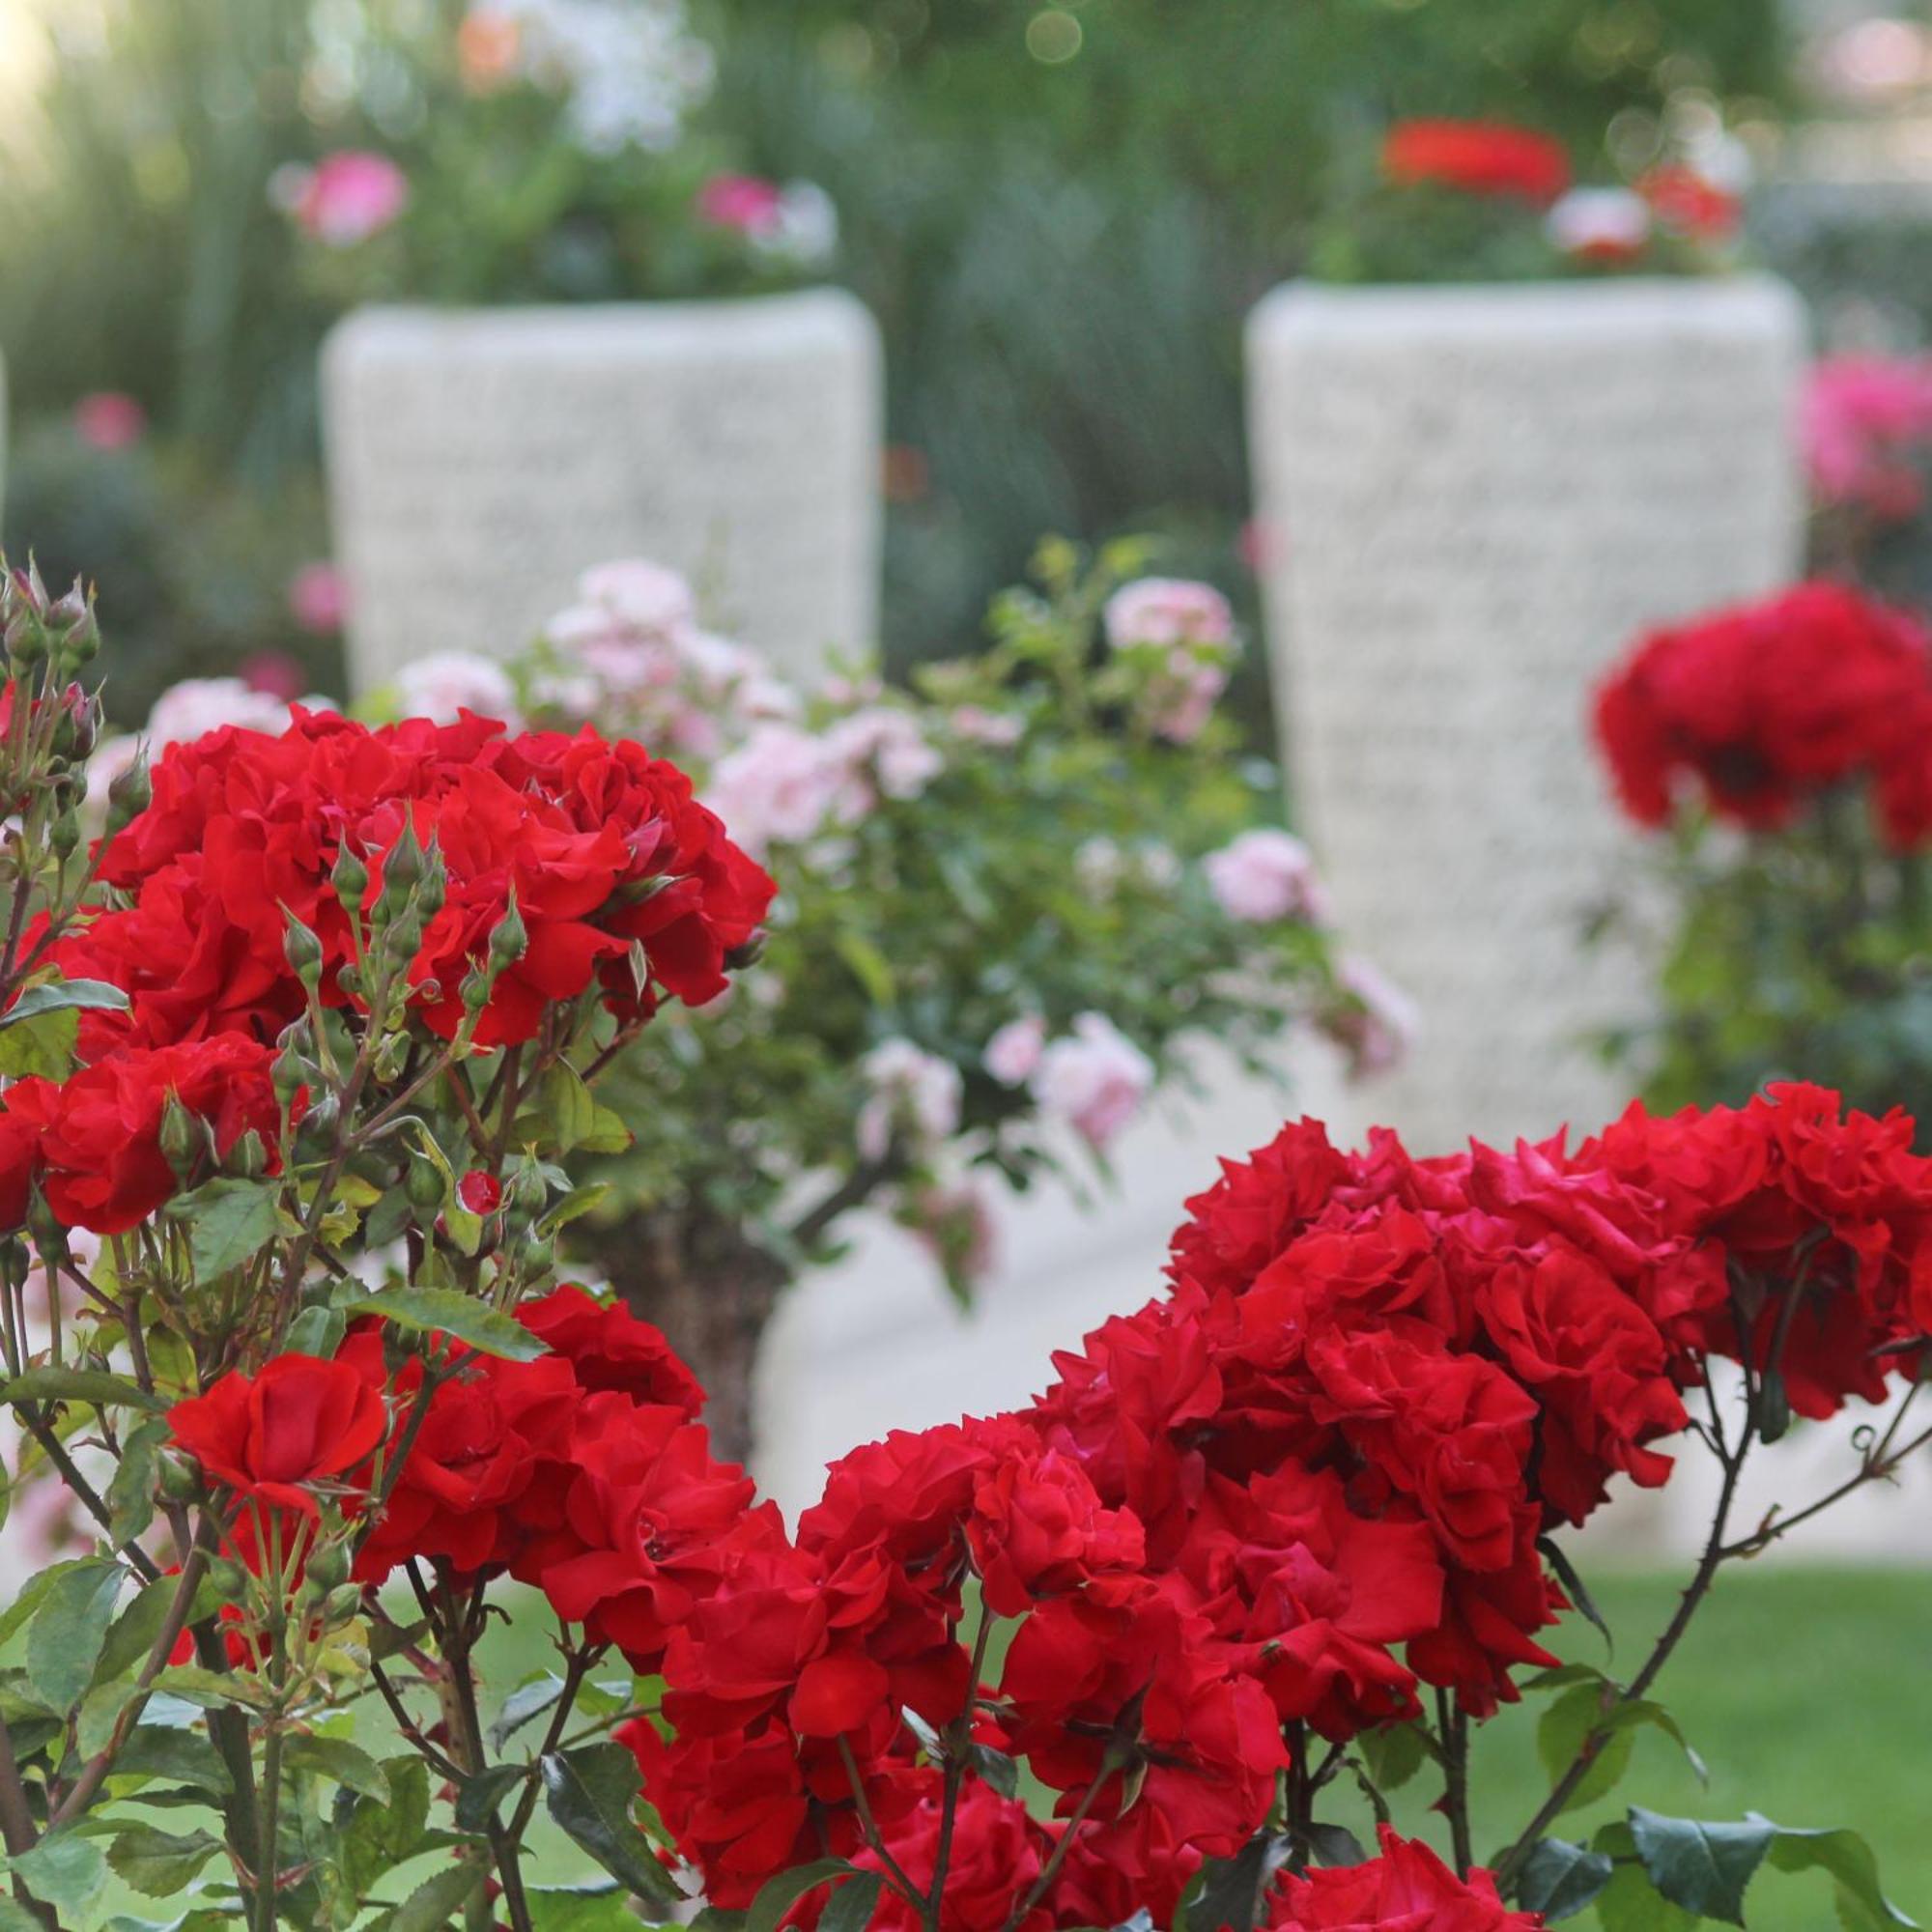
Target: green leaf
[63, 1640]
[184, 1757]
[44, 1046]
[590, 1793]
[339, 1761]
[463, 1227]
[62, 996]
[607, 1133]
[778, 1895]
[996, 1769]
[17, 1917]
[230, 1221]
[1393, 1754]
[375, 1838]
[1227, 1892]
[563, 1114]
[95, 1386]
[65, 1870]
[33, 1592]
[527, 1701]
[577, 1203]
[135, 1630]
[158, 1863]
[1702, 1867]
[1573, 1586]
[212, 1687]
[852, 1905]
[315, 1331]
[1849, 1860]
[478, 1800]
[580, 1908]
[1575, 1721]
[1335, 1845]
[471, 1321]
[1630, 1903]
[1560, 1879]
[131, 1494]
[1644, 1711]
[99, 1711]
[431, 1906]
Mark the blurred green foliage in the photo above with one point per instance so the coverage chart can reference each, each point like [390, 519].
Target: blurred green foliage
[1061, 213]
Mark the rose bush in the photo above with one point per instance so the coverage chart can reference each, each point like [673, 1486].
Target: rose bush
[1068, 813]
[1781, 747]
[1105, 1660]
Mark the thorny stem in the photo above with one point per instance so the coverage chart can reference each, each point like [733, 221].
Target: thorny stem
[909, 1891]
[958, 1739]
[1065, 1844]
[1453, 1730]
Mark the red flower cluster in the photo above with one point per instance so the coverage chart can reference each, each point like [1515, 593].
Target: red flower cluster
[1764, 706]
[603, 848]
[621, 879]
[1310, 1479]
[93, 1144]
[1488, 157]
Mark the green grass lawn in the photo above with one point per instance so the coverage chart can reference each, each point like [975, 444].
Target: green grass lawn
[1807, 1690]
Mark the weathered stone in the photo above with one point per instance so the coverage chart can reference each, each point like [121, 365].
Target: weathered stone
[479, 459]
[1471, 500]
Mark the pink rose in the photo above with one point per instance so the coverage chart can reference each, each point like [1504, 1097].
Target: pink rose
[1168, 610]
[1095, 1079]
[1013, 1052]
[318, 599]
[1266, 875]
[348, 196]
[745, 203]
[108, 420]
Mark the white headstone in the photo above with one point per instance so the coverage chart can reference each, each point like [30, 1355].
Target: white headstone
[1471, 500]
[479, 459]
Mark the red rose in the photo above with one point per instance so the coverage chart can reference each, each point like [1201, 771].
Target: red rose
[1408, 1888]
[271, 1435]
[1691, 204]
[479, 1192]
[99, 1134]
[1037, 1529]
[1763, 705]
[1486, 157]
[610, 1349]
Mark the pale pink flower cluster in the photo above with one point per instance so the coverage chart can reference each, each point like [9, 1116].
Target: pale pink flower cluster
[345, 198]
[1265, 875]
[1191, 627]
[445, 683]
[1092, 1078]
[914, 1099]
[632, 656]
[794, 222]
[1865, 426]
[788, 784]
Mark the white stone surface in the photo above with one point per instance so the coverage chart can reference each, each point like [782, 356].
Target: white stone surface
[1471, 500]
[479, 459]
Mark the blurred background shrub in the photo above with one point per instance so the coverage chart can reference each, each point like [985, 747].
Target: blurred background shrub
[1060, 214]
